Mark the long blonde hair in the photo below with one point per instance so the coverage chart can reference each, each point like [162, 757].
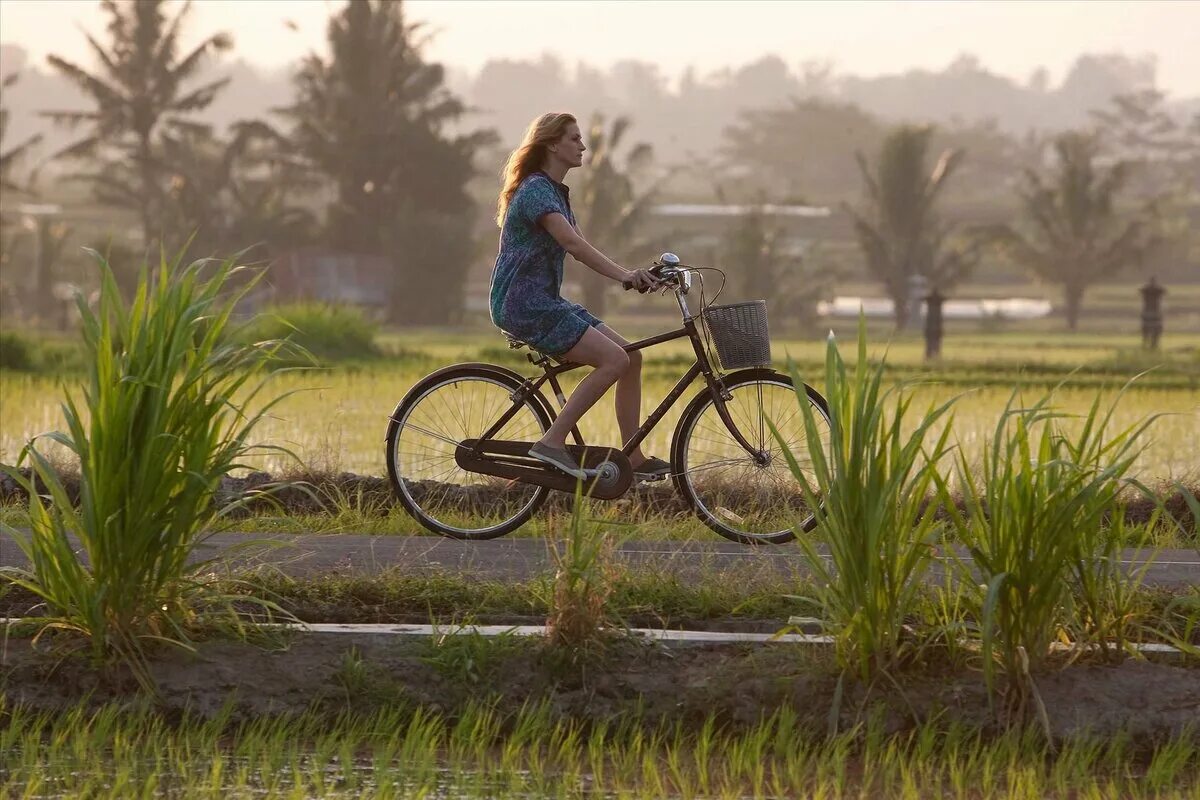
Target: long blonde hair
[529, 156]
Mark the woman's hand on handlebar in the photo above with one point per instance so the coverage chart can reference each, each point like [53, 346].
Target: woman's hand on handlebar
[641, 279]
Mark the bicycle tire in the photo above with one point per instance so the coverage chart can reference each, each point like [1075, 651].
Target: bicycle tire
[504, 379]
[684, 477]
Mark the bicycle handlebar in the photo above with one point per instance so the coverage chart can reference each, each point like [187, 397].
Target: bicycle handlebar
[665, 261]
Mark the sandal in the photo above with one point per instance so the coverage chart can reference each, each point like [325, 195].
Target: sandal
[557, 458]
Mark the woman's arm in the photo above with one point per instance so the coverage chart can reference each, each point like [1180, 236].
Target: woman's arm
[581, 250]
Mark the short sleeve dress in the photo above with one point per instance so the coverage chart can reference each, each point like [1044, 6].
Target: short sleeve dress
[527, 278]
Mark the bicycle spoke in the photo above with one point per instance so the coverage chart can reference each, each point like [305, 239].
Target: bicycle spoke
[432, 435]
[429, 434]
[730, 485]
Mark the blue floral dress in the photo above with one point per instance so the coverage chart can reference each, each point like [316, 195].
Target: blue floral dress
[528, 274]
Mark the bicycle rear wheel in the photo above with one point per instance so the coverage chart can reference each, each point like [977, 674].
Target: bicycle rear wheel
[739, 497]
[452, 404]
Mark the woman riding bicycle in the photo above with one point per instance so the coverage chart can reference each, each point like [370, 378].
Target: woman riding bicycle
[538, 229]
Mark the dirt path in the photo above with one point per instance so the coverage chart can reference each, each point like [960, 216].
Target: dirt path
[514, 559]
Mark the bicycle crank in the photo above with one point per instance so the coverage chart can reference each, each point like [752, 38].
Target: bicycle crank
[608, 469]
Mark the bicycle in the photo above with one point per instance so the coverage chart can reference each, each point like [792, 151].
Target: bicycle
[458, 460]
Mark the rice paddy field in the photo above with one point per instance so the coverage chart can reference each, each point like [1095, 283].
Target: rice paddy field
[336, 419]
[396, 753]
[468, 717]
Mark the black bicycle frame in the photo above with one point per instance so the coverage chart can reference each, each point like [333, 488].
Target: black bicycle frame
[701, 366]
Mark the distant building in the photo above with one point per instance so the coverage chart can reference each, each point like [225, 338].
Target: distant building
[697, 231]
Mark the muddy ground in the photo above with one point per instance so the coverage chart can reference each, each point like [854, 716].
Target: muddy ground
[679, 683]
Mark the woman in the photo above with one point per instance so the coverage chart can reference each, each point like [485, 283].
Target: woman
[537, 231]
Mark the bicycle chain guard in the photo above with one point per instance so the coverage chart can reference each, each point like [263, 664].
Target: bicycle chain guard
[508, 459]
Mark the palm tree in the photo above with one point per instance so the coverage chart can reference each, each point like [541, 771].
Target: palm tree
[899, 233]
[10, 158]
[138, 89]
[371, 120]
[232, 193]
[769, 267]
[609, 205]
[1076, 232]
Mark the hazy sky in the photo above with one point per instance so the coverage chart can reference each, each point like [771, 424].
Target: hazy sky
[864, 38]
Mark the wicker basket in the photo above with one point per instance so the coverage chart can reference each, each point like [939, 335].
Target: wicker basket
[739, 331]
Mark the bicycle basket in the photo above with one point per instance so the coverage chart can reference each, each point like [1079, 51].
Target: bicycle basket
[740, 332]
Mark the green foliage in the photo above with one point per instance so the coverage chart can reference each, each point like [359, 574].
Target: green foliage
[16, 352]
[873, 478]
[1076, 230]
[373, 120]
[762, 266]
[328, 331]
[898, 231]
[388, 750]
[47, 355]
[1138, 127]
[468, 656]
[580, 616]
[232, 193]
[820, 169]
[1035, 525]
[156, 430]
[13, 156]
[368, 684]
[136, 94]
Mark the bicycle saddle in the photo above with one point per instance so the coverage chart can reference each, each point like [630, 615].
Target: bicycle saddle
[513, 342]
[516, 344]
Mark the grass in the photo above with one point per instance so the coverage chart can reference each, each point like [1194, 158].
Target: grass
[1035, 528]
[580, 617]
[397, 751]
[336, 419]
[753, 596]
[327, 332]
[877, 530]
[645, 595]
[161, 363]
[154, 432]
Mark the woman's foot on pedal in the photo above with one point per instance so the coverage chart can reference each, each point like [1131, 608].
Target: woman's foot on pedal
[652, 469]
[557, 457]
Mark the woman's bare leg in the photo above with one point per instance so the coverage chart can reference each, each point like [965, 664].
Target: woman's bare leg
[610, 362]
[628, 396]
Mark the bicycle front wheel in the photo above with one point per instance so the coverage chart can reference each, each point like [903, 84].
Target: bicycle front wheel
[456, 403]
[743, 498]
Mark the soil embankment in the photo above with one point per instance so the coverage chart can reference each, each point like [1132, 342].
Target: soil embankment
[738, 683]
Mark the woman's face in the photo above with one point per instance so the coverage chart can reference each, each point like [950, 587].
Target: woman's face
[570, 148]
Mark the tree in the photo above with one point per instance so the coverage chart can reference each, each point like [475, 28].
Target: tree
[9, 159]
[1076, 233]
[13, 156]
[373, 120]
[232, 193]
[609, 206]
[900, 235]
[138, 90]
[766, 266]
[802, 151]
[1163, 151]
